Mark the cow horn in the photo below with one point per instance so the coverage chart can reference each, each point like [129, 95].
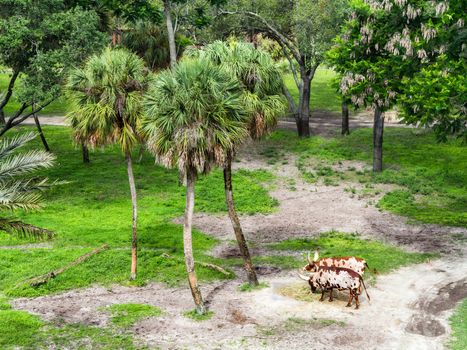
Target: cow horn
[303, 277]
[308, 257]
[316, 257]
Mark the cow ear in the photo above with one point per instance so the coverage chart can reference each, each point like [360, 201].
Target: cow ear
[316, 257]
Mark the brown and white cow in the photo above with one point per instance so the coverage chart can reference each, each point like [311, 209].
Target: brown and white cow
[327, 278]
[349, 262]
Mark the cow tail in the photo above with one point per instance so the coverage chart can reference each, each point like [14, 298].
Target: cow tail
[361, 280]
[374, 270]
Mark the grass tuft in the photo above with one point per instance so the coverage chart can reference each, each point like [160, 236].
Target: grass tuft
[194, 315]
[126, 315]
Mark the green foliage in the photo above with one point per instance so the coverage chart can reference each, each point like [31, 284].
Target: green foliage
[195, 116]
[433, 173]
[107, 99]
[18, 328]
[246, 287]
[458, 322]
[417, 42]
[126, 315]
[379, 256]
[17, 189]
[194, 315]
[42, 40]
[92, 210]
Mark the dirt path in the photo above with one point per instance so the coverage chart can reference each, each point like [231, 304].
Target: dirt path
[409, 308]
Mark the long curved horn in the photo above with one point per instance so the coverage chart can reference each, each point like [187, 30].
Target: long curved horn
[316, 257]
[308, 257]
[303, 277]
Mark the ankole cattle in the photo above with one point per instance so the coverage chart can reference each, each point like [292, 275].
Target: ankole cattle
[349, 262]
[327, 278]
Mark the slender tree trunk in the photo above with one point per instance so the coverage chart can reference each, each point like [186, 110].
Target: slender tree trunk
[39, 130]
[378, 128]
[303, 119]
[345, 118]
[2, 117]
[188, 243]
[134, 237]
[9, 90]
[85, 152]
[170, 33]
[250, 271]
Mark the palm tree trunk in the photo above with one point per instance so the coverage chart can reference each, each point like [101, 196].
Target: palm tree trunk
[170, 32]
[378, 128]
[188, 242]
[134, 238]
[250, 271]
[85, 152]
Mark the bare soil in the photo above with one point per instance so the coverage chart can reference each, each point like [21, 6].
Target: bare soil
[409, 308]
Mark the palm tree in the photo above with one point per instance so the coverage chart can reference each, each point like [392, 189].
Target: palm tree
[107, 95]
[194, 118]
[17, 190]
[262, 82]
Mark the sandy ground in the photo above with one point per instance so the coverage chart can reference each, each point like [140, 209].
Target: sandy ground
[409, 308]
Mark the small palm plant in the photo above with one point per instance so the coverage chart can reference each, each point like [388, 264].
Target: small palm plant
[107, 96]
[262, 83]
[194, 118]
[17, 189]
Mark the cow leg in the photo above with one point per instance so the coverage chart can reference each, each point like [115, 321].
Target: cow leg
[322, 295]
[350, 298]
[357, 304]
[330, 295]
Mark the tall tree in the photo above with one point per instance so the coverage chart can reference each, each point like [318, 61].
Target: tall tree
[195, 117]
[107, 96]
[384, 54]
[304, 29]
[40, 41]
[17, 189]
[262, 82]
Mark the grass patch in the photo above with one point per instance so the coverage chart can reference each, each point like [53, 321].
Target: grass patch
[126, 315]
[194, 315]
[246, 287]
[19, 329]
[323, 94]
[379, 256]
[458, 322]
[432, 174]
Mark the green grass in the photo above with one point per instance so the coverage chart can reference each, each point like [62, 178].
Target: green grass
[18, 328]
[432, 175]
[58, 107]
[194, 315]
[246, 287]
[95, 208]
[458, 322]
[126, 315]
[323, 95]
[21, 330]
[379, 256]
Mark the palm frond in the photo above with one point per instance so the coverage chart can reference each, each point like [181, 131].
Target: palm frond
[25, 163]
[22, 229]
[10, 145]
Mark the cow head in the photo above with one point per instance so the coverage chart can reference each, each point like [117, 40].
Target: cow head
[312, 265]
